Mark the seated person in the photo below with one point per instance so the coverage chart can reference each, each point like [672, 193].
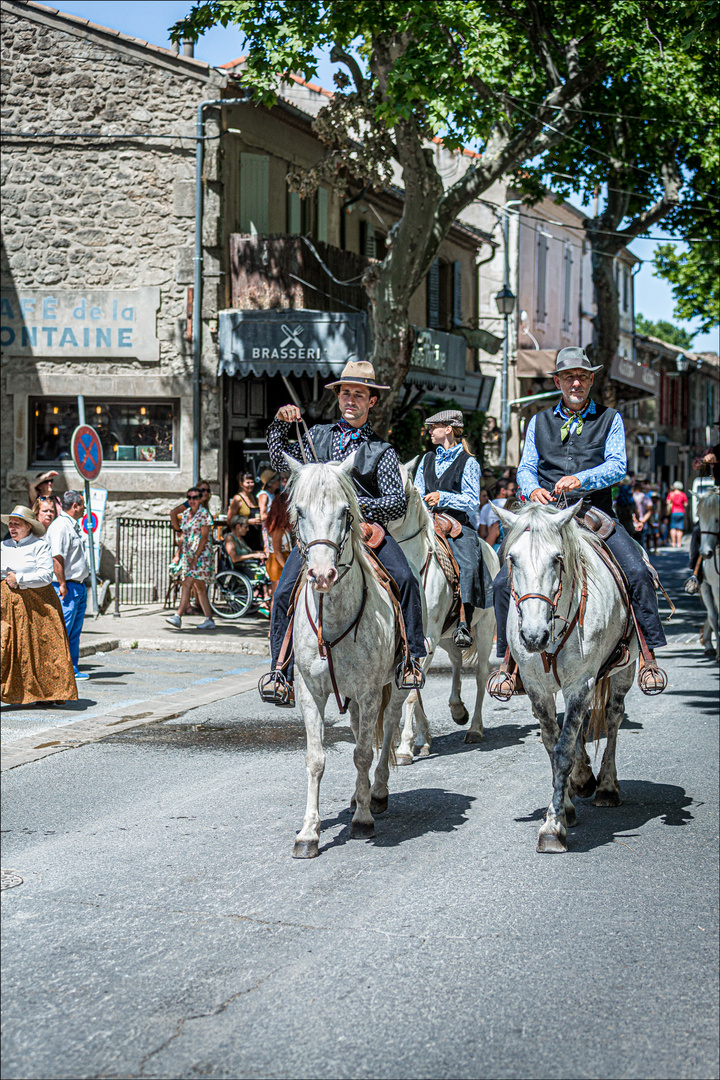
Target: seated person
[241, 555]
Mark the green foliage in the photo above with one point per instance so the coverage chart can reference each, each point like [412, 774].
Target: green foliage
[406, 435]
[694, 277]
[665, 330]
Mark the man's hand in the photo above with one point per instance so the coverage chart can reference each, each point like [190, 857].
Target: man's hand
[542, 496]
[62, 589]
[11, 580]
[566, 483]
[432, 498]
[710, 459]
[288, 413]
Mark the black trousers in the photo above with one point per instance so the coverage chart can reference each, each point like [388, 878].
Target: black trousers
[695, 550]
[640, 580]
[391, 556]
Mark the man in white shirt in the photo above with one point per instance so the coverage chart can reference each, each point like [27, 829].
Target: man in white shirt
[70, 569]
[489, 527]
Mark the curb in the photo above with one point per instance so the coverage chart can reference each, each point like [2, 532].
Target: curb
[243, 646]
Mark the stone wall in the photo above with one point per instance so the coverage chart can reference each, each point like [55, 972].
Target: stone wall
[98, 213]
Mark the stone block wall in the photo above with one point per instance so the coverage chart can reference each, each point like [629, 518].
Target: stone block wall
[104, 213]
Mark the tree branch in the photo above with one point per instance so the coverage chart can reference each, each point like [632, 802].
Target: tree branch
[672, 182]
[339, 56]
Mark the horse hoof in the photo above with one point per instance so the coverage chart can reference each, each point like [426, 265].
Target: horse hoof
[378, 806]
[424, 751]
[607, 798]
[586, 790]
[473, 737]
[462, 718]
[549, 843]
[305, 849]
[403, 759]
[362, 830]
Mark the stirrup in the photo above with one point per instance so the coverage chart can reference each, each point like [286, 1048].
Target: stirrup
[692, 585]
[274, 689]
[652, 679]
[463, 636]
[406, 678]
[501, 685]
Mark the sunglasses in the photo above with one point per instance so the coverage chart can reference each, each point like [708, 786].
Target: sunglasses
[193, 498]
[204, 491]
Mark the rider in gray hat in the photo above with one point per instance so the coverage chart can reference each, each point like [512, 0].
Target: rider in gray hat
[576, 450]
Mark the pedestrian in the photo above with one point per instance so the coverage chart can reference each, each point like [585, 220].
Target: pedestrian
[42, 488]
[239, 552]
[195, 560]
[279, 541]
[244, 504]
[677, 502]
[643, 510]
[36, 662]
[45, 510]
[203, 486]
[625, 504]
[490, 529]
[270, 481]
[70, 569]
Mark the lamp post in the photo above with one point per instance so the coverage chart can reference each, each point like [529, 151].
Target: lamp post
[684, 364]
[505, 301]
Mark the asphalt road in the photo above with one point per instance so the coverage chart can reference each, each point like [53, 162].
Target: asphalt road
[163, 930]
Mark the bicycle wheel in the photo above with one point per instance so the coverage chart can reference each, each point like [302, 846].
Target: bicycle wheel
[230, 595]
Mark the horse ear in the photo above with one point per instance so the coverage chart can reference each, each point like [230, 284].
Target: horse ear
[564, 516]
[347, 464]
[293, 465]
[411, 465]
[506, 516]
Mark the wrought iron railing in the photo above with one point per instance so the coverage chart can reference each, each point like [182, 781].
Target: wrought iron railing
[144, 548]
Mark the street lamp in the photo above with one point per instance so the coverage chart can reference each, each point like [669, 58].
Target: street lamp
[505, 301]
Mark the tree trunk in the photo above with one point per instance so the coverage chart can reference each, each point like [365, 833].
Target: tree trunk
[607, 320]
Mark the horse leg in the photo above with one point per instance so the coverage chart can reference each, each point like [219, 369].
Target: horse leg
[307, 840]
[379, 792]
[561, 812]
[457, 709]
[483, 642]
[362, 825]
[608, 788]
[581, 777]
[404, 752]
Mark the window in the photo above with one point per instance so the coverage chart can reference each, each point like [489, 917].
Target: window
[322, 214]
[626, 290]
[295, 214]
[457, 293]
[433, 296]
[254, 193]
[541, 278]
[134, 432]
[567, 287]
[367, 239]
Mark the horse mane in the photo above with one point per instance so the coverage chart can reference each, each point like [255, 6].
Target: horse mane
[537, 519]
[413, 496]
[314, 485]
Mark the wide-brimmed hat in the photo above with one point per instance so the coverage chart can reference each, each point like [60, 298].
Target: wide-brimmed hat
[268, 475]
[573, 358]
[358, 372]
[24, 513]
[451, 417]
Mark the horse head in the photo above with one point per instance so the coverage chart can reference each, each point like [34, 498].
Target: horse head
[325, 514]
[540, 551]
[709, 517]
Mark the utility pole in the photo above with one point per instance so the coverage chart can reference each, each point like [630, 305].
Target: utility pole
[505, 301]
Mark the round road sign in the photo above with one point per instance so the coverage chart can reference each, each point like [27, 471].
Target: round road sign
[87, 452]
[94, 523]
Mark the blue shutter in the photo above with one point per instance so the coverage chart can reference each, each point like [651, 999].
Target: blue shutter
[457, 294]
[254, 193]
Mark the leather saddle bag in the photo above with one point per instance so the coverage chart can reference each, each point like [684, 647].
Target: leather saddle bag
[599, 522]
[372, 534]
[446, 525]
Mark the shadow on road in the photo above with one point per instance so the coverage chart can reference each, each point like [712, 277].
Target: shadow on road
[643, 801]
[496, 738]
[410, 815]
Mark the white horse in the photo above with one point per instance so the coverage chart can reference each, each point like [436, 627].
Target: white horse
[553, 565]
[343, 612]
[709, 517]
[415, 532]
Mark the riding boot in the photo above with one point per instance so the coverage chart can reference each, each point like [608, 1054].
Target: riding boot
[463, 636]
[276, 687]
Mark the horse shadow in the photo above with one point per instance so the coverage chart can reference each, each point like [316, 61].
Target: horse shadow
[496, 738]
[643, 801]
[410, 815]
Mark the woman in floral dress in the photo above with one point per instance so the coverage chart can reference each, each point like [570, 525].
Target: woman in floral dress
[195, 560]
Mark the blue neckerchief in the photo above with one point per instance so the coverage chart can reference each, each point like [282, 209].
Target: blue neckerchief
[349, 434]
[442, 455]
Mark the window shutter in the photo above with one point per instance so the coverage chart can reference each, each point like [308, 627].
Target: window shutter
[433, 295]
[322, 208]
[567, 288]
[541, 299]
[294, 225]
[626, 290]
[367, 239]
[254, 193]
[457, 294]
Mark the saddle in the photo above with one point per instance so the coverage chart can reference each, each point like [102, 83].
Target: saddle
[446, 525]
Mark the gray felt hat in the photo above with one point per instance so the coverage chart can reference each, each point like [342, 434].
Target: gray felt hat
[573, 358]
[447, 416]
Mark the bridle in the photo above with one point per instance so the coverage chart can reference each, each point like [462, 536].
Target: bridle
[338, 548]
[552, 601]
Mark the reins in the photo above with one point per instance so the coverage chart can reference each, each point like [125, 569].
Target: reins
[325, 647]
[311, 444]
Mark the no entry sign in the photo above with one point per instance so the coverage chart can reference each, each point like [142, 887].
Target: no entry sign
[87, 452]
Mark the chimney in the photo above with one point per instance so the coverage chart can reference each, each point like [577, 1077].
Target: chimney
[188, 47]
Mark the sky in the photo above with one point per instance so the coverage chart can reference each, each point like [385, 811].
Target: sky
[150, 20]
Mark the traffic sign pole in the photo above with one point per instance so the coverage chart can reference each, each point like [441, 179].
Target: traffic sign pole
[88, 512]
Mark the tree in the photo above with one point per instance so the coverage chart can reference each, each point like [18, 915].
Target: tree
[667, 331]
[505, 75]
[643, 139]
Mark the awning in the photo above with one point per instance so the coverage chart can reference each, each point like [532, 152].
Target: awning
[534, 363]
[636, 375]
[295, 342]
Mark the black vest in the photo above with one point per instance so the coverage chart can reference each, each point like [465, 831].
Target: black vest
[578, 452]
[367, 459]
[451, 480]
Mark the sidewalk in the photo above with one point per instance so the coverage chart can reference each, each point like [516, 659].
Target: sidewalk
[144, 627]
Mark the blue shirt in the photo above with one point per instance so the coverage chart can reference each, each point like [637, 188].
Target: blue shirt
[468, 499]
[605, 475]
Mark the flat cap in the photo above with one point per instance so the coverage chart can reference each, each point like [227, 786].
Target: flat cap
[447, 416]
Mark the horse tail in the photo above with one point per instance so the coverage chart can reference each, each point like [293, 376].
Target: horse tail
[470, 656]
[380, 725]
[596, 725]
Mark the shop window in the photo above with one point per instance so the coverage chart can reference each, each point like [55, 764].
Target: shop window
[132, 431]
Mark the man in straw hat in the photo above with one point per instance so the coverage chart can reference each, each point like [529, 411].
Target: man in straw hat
[576, 449]
[381, 495]
[449, 481]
